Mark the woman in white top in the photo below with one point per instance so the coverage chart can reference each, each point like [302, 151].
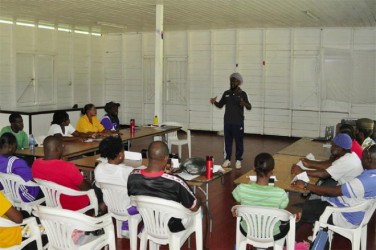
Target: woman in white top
[61, 126]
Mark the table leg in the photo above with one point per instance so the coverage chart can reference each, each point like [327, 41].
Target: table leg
[206, 193]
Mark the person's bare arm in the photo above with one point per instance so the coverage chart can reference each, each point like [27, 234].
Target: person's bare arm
[197, 206]
[317, 164]
[318, 173]
[85, 185]
[14, 215]
[321, 190]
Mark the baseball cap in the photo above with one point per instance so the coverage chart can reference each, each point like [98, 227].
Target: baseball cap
[343, 140]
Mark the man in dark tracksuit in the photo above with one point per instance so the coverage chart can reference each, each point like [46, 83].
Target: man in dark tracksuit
[235, 100]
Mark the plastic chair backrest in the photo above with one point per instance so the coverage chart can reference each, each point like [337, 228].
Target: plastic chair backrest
[11, 184]
[156, 213]
[369, 208]
[174, 134]
[261, 221]
[116, 198]
[60, 224]
[34, 234]
[52, 192]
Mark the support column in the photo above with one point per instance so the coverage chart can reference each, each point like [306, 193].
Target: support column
[158, 86]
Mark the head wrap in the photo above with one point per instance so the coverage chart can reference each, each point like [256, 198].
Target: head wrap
[365, 123]
[237, 76]
[343, 140]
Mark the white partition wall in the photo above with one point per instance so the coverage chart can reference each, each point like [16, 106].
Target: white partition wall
[295, 77]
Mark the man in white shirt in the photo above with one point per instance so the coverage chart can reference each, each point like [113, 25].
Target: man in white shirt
[363, 132]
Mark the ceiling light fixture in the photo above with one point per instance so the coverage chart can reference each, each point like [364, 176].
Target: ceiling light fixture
[114, 25]
[311, 15]
[6, 21]
[25, 24]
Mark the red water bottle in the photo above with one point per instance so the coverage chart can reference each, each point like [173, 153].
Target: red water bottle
[133, 126]
[209, 167]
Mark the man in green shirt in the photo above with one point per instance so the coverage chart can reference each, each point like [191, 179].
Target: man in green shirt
[16, 128]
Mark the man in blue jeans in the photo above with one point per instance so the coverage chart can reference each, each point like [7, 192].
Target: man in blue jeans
[235, 100]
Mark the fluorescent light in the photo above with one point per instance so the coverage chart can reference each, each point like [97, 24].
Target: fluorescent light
[46, 27]
[311, 15]
[114, 25]
[6, 21]
[25, 24]
[64, 29]
[96, 34]
[81, 32]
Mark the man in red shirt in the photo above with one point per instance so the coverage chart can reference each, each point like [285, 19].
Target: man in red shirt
[53, 168]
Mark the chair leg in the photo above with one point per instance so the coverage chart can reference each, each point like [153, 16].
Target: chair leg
[355, 242]
[199, 240]
[179, 149]
[363, 237]
[143, 241]
[189, 150]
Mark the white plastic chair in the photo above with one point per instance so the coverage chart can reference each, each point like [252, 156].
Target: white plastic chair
[33, 228]
[173, 139]
[11, 184]
[156, 213]
[53, 191]
[260, 225]
[117, 201]
[358, 235]
[60, 224]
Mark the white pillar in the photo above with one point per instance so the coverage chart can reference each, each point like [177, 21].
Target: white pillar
[158, 86]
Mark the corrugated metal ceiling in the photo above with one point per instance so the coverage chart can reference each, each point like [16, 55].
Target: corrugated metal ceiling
[139, 15]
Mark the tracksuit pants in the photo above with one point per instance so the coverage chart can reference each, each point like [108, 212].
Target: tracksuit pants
[234, 132]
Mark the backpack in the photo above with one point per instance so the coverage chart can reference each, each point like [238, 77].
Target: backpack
[321, 241]
[194, 166]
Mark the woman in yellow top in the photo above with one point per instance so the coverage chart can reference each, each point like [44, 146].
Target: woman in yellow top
[9, 236]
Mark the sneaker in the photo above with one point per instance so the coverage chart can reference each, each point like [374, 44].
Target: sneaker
[238, 164]
[226, 164]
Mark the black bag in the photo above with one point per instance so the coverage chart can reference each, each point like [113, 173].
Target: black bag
[194, 166]
[321, 241]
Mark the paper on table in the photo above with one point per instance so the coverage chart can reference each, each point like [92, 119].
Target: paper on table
[218, 168]
[302, 176]
[135, 156]
[187, 176]
[253, 178]
[309, 156]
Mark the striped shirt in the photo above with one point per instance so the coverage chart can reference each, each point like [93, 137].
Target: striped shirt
[354, 192]
[17, 166]
[263, 196]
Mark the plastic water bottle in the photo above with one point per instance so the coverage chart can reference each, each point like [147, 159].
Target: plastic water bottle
[155, 121]
[31, 142]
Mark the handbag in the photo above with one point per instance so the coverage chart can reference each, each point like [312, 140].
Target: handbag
[321, 241]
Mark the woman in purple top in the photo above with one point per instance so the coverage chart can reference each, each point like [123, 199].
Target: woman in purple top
[110, 120]
[13, 165]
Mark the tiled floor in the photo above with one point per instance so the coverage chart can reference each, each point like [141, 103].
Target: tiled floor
[221, 201]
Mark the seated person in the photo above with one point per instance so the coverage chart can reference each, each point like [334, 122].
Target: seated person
[153, 181]
[9, 236]
[11, 164]
[113, 170]
[355, 147]
[60, 126]
[261, 194]
[351, 193]
[110, 120]
[363, 132]
[89, 123]
[53, 168]
[16, 128]
[345, 168]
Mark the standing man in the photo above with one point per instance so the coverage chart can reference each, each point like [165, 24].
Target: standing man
[235, 100]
